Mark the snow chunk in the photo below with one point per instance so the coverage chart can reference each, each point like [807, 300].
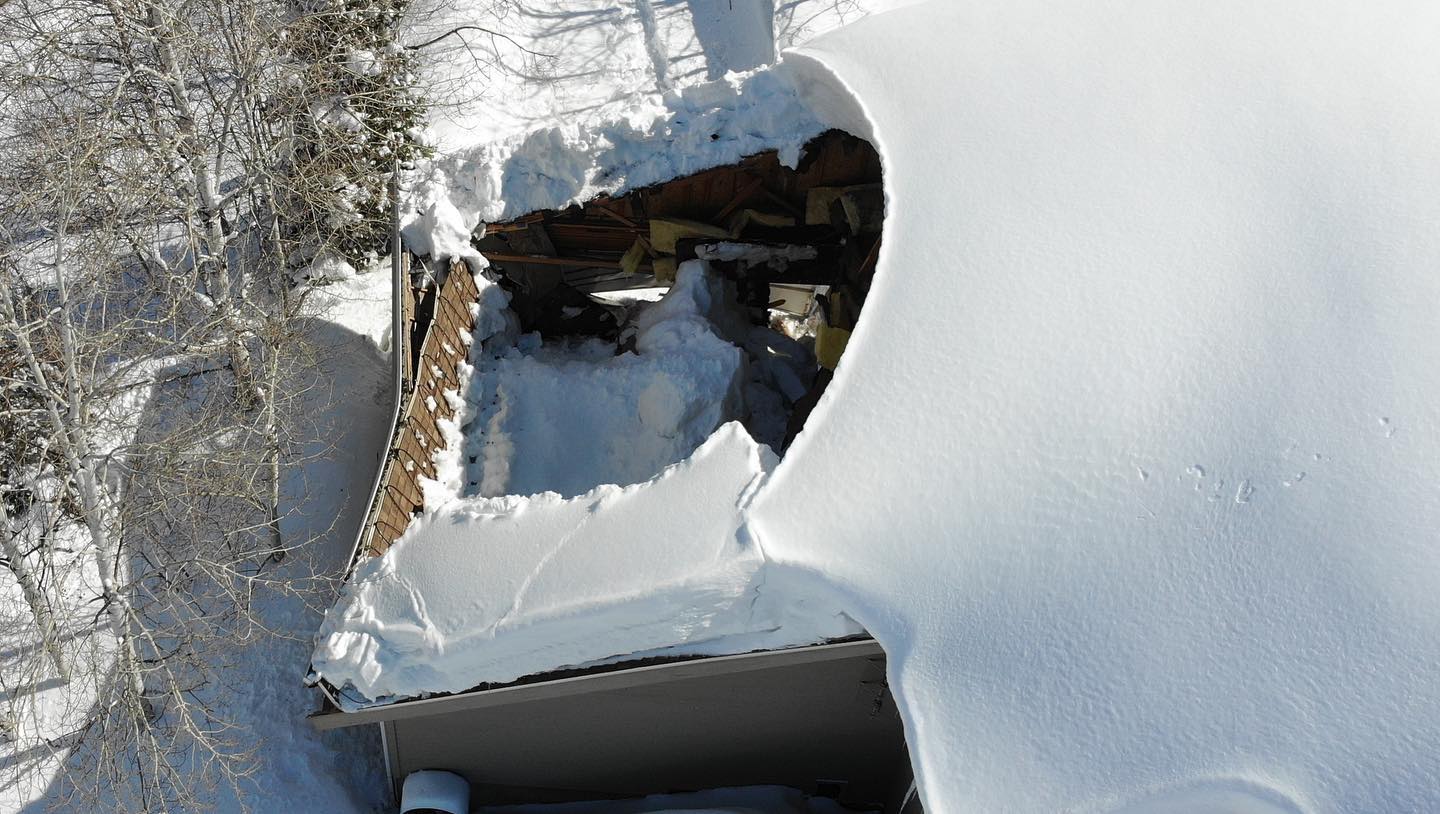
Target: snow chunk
[492, 589]
[776, 257]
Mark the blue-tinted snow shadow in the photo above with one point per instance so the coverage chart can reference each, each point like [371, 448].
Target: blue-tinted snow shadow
[735, 35]
[345, 395]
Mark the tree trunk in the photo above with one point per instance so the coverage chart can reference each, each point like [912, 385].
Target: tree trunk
[34, 596]
[209, 260]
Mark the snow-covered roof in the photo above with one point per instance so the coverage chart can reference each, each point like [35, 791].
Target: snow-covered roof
[1132, 462]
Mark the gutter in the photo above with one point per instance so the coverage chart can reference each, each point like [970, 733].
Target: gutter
[397, 370]
[398, 358]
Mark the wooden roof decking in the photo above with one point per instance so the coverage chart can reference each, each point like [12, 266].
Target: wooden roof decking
[434, 346]
[586, 241]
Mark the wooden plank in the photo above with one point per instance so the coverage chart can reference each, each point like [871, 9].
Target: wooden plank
[406, 495]
[541, 260]
[458, 325]
[740, 198]
[428, 429]
[405, 486]
[422, 465]
[446, 334]
[407, 320]
[610, 213]
[451, 307]
[501, 228]
[393, 519]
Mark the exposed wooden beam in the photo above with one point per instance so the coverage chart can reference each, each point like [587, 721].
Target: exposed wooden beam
[542, 260]
[605, 210]
[740, 198]
[500, 228]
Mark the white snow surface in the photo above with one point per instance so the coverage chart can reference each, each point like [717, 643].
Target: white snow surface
[492, 589]
[1132, 461]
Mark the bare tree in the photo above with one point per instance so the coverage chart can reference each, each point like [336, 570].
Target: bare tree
[166, 167]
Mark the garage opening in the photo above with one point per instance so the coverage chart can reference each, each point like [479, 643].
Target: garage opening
[787, 256]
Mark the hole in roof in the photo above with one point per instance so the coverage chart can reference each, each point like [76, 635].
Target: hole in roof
[639, 324]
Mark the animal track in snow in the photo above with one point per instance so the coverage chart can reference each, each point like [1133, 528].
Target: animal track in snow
[1244, 491]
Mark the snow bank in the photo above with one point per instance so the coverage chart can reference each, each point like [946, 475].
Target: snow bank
[492, 589]
[1132, 461]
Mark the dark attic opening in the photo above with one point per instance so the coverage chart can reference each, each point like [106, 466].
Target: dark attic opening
[794, 248]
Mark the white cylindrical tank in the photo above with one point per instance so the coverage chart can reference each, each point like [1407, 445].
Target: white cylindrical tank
[435, 791]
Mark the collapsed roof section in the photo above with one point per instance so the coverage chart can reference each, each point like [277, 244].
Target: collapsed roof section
[635, 240]
[798, 246]
[541, 506]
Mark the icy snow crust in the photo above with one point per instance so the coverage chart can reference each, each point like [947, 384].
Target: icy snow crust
[1131, 464]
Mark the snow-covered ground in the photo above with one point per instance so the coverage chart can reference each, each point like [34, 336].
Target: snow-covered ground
[1131, 463]
[260, 690]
